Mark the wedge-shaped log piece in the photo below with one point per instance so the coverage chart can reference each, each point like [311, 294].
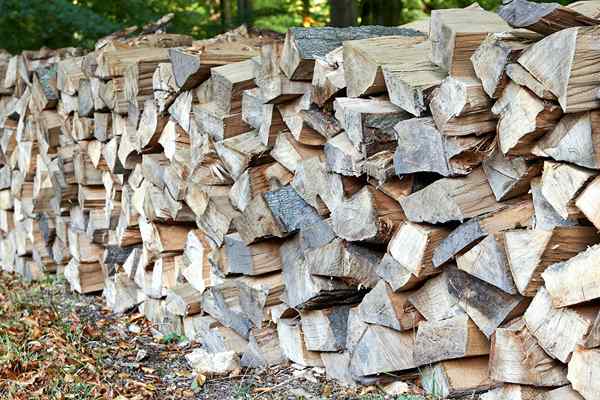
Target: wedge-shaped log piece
[572, 76]
[364, 61]
[558, 330]
[121, 293]
[254, 259]
[515, 392]
[457, 33]
[412, 246]
[84, 277]
[450, 338]
[573, 140]
[303, 46]
[228, 84]
[510, 177]
[317, 186]
[325, 330]
[398, 277]
[342, 157]
[487, 261]
[354, 264]
[289, 152]
[223, 302]
[263, 348]
[515, 357]
[410, 82]
[293, 345]
[301, 131]
[459, 107]
[434, 300]
[522, 77]
[328, 76]
[368, 122]
[184, 300]
[544, 18]
[582, 369]
[382, 306]
[498, 50]
[487, 305]
[456, 378]
[574, 281]
[530, 252]
[368, 215]
[560, 185]
[261, 116]
[545, 215]
[422, 148]
[382, 350]
[587, 202]
[451, 199]
[523, 119]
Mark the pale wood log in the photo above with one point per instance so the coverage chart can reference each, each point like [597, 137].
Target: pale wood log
[84, 277]
[263, 348]
[377, 218]
[291, 340]
[113, 63]
[543, 18]
[304, 46]
[522, 77]
[398, 277]
[509, 177]
[568, 76]
[563, 393]
[582, 369]
[456, 34]
[364, 60]
[220, 338]
[342, 157]
[456, 378]
[530, 252]
[317, 186]
[381, 350]
[434, 300]
[229, 82]
[184, 300]
[523, 118]
[545, 217]
[325, 330]
[573, 281]
[422, 148]
[450, 338]
[487, 261]
[495, 53]
[302, 132]
[573, 140]
[560, 185]
[464, 197]
[328, 77]
[121, 293]
[262, 116]
[514, 392]
[587, 202]
[164, 86]
[379, 169]
[337, 366]
[256, 259]
[353, 264]
[381, 306]
[558, 330]
[515, 357]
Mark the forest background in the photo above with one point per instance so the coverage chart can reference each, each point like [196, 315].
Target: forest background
[32, 24]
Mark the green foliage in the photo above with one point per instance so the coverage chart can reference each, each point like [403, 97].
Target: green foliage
[32, 24]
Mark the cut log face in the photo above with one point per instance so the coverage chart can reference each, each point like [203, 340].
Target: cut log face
[564, 75]
[457, 33]
[565, 392]
[581, 372]
[515, 357]
[587, 202]
[573, 281]
[328, 77]
[422, 148]
[545, 215]
[543, 18]
[412, 246]
[381, 306]
[325, 330]
[303, 46]
[293, 345]
[487, 261]
[558, 330]
[317, 186]
[509, 177]
[530, 252]
[487, 305]
[454, 337]
[254, 259]
[523, 118]
[455, 378]
[382, 350]
[398, 277]
[514, 392]
[463, 198]
[496, 52]
[434, 300]
[461, 107]
[364, 60]
[522, 77]
[560, 185]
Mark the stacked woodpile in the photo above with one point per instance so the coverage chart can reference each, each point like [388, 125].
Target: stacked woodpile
[383, 202]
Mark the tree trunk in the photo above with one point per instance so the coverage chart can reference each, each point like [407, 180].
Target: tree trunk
[343, 12]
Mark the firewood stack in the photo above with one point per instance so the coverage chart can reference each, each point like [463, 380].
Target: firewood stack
[383, 202]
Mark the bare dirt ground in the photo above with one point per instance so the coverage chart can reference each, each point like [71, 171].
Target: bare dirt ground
[55, 344]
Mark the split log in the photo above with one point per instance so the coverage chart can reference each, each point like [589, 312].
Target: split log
[560, 185]
[570, 77]
[317, 186]
[515, 357]
[121, 293]
[495, 54]
[184, 300]
[457, 378]
[545, 18]
[342, 157]
[523, 119]
[301, 131]
[289, 152]
[228, 84]
[581, 372]
[587, 202]
[545, 217]
[328, 77]
[457, 33]
[263, 348]
[509, 177]
[450, 338]
[254, 259]
[325, 330]
[514, 392]
[262, 116]
[460, 107]
[84, 277]
[398, 277]
[291, 340]
[573, 281]
[558, 330]
[562, 393]
[434, 300]
[464, 197]
[522, 77]
[364, 61]
[382, 306]
[531, 252]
